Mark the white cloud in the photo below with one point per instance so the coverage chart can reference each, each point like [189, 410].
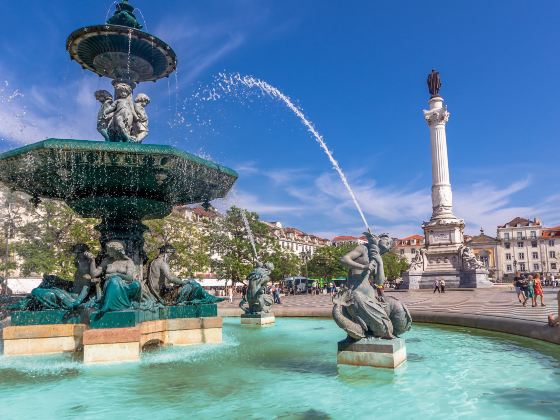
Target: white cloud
[400, 211]
[46, 111]
[252, 202]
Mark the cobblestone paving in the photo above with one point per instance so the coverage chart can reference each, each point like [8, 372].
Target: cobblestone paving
[498, 302]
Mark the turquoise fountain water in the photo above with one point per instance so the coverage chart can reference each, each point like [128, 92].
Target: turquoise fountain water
[290, 372]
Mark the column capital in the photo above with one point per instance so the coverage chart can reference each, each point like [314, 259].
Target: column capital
[436, 116]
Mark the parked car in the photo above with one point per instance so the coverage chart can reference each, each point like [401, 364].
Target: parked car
[298, 284]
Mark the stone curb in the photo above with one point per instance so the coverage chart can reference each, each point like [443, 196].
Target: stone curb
[520, 327]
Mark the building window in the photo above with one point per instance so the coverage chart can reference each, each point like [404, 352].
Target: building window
[413, 251]
[402, 251]
[553, 266]
[508, 267]
[519, 244]
[535, 255]
[534, 244]
[521, 255]
[508, 256]
[536, 267]
[519, 235]
[551, 242]
[522, 266]
[506, 236]
[507, 244]
[552, 254]
[533, 234]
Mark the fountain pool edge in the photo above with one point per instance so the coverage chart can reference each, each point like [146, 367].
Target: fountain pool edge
[519, 327]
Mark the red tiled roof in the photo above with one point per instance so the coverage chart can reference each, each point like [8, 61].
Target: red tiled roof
[521, 221]
[408, 238]
[344, 238]
[210, 213]
[552, 232]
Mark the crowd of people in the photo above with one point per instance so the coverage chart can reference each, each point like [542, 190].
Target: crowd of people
[530, 287]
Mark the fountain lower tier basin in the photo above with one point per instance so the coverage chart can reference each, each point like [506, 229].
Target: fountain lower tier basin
[114, 180]
[110, 337]
[290, 371]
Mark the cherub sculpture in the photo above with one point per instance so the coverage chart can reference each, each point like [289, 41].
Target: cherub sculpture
[105, 114]
[122, 120]
[140, 125]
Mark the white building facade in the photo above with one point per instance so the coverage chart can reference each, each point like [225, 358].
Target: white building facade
[528, 247]
[296, 241]
[408, 247]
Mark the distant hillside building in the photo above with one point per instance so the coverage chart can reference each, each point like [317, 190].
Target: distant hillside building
[294, 240]
[527, 246]
[343, 240]
[486, 249]
[409, 246]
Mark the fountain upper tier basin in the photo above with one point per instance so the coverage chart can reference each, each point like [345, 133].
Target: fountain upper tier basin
[121, 53]
[109, 180]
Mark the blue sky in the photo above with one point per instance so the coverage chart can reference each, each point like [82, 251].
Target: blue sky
[358, 71]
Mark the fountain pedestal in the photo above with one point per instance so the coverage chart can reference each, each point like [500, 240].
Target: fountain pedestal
[260, 320]
[374, 352]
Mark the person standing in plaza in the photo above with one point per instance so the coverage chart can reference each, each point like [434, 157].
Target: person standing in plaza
[277, 296]
[538, 290]
[530, 292]
[517, 285]
[442, 285]
[436, 286]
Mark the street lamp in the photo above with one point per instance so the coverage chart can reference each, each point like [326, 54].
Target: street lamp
[305, 256]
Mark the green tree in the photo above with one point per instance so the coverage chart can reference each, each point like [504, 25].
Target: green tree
[188, 238]
[14, 206]
[394, 265]
[286, 263]
[326, 264]
[45, 240]
[232, 253]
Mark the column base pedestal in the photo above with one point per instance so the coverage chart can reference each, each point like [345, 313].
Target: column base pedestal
[472, 279]
[259, 320]
[374, 352]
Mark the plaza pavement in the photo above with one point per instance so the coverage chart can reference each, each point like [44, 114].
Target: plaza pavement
[495, 309]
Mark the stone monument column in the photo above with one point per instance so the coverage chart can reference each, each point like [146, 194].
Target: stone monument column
[442, 199]
[446, 257]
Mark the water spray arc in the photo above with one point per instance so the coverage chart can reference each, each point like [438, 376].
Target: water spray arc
[227, 81]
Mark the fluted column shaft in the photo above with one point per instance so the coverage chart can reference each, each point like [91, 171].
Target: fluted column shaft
[442, 197]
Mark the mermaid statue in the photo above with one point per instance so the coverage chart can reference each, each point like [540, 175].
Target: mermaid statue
[256, 299]
[121, 289]
[169, 289]
[57, 293]
[362, 309]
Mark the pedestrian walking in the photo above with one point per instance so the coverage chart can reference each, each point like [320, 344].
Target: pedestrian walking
[524, 284]
[442, 285]
[538, 290]
[436, 286]
[518, 289]
[530, 294]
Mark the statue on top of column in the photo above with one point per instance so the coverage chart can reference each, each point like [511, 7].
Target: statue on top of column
[434, 83]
